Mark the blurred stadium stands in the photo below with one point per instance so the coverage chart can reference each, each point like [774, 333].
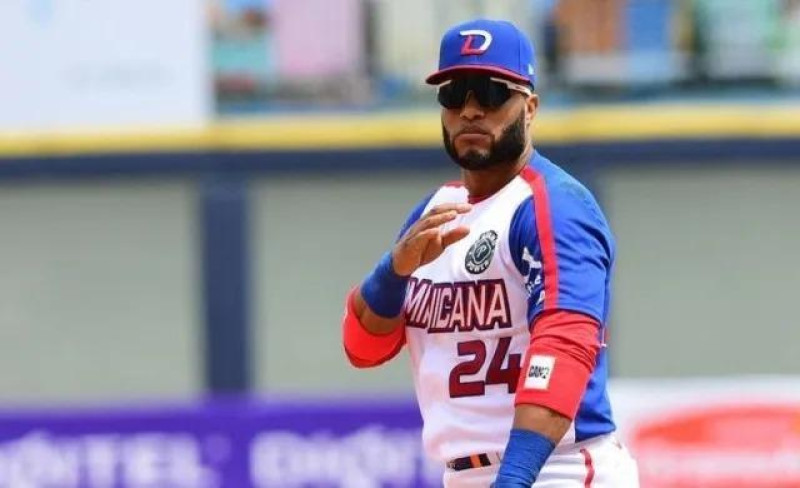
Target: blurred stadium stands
[611, 49]
[189, 188]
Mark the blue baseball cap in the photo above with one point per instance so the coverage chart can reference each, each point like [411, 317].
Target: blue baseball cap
[494, 47]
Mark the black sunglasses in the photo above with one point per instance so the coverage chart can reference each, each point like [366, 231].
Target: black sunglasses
[490, 92]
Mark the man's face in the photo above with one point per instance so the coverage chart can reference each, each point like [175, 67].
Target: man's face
[480, 137]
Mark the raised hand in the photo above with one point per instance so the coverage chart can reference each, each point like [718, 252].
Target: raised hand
[426, 240]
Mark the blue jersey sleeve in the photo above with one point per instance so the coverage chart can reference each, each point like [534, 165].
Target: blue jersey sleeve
[414, 215]
[562, 246]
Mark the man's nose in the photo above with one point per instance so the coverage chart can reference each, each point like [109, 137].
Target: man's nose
[472, 110]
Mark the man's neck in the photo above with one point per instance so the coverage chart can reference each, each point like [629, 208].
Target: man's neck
[484, 183]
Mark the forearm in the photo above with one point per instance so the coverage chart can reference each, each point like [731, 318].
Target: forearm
[373, 327]
[541, 420]
[536, 432]
[372, 322]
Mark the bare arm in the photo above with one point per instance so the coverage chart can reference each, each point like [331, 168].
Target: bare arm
[537, 430]
[371, 321]
[535, 418]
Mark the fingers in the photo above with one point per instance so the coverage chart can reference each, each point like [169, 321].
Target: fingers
[439, 215]
[435, 220]
[454, 235]
[443, 239]
[426, 239]
[426, 235]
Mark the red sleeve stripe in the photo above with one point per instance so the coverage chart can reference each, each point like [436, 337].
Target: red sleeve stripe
[544, 227]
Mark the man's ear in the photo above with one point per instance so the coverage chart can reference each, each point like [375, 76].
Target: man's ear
[531, 106]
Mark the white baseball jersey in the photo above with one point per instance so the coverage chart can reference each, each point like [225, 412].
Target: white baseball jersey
[539, 243]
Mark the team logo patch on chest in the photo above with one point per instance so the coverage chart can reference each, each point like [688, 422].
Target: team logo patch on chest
[479, 256]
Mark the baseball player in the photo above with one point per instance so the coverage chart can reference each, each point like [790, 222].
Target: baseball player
[499, 286]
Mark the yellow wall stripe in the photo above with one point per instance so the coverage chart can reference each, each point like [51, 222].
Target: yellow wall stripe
[409, 129]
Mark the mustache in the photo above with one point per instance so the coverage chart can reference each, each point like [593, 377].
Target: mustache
[473, 129]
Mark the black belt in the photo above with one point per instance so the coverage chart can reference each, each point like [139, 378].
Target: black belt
[469, 462]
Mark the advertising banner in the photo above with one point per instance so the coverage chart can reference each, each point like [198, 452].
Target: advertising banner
[683, 434]
[236, 444]
[712, 433]
[73, 64]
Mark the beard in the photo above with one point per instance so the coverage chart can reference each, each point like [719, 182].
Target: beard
[503, 151]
